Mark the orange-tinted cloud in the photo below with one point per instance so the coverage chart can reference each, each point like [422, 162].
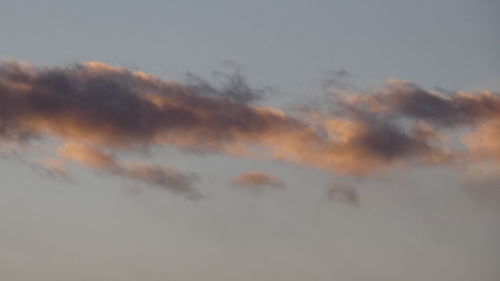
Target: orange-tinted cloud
[88, 156]
[484, 143]
[113, 109]
[259, 180]
[406, 100]
[152, 174]
[450, 112]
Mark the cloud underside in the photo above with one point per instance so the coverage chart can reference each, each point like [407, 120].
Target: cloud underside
[99, 111]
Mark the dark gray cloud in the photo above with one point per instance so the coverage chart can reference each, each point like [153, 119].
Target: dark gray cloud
[336, 79]
[234, 87]
[113, 106]
[343, 193]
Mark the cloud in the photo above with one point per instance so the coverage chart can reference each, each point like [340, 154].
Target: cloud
[336, 79]
[258, 180]
[114, 107]
[105, 108]
[233, 88]
[52, 167]
[88, 156]
[152, 174]
[448, 112]
[484, 143]
[343, 193]
[438, 108]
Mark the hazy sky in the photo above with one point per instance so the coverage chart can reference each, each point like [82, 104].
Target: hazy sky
[111, 171]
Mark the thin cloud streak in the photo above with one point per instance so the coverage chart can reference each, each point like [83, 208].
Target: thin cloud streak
[257, 180]
[152, 174]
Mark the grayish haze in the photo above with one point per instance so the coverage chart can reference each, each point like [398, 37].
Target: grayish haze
[419, 224]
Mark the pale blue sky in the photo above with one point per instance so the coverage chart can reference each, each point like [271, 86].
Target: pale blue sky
[444, 43]
[405, 228]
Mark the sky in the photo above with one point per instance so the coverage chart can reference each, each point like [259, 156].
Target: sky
[249, 140]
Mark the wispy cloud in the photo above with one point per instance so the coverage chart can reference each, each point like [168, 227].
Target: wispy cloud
[159, 175]
[257, 180]
[52, 167]
[342, 193]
